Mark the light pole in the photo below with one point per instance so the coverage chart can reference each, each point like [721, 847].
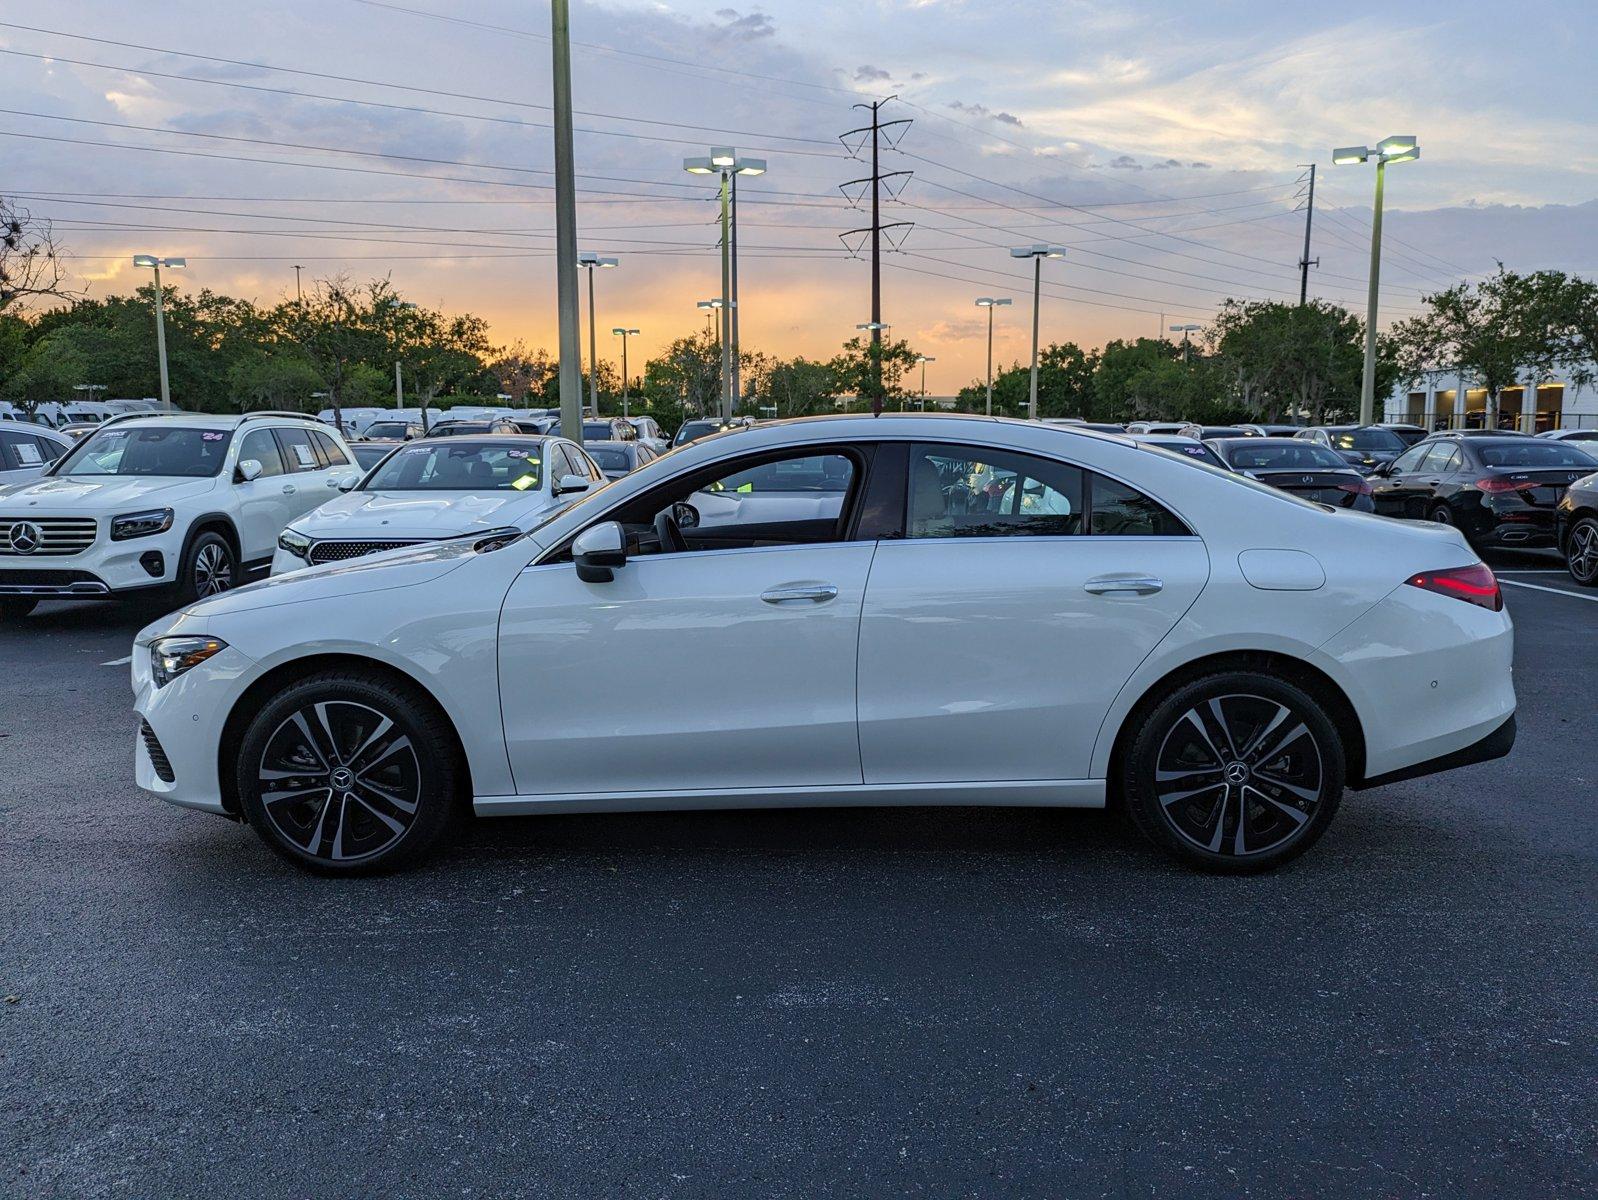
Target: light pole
[717, 308]
[625, 404]
[591, 260]
[724, 160]
[990, 303]
[155, 264]
[1187, 348]
[1037, 253]
[924, 359]
[1398, 148]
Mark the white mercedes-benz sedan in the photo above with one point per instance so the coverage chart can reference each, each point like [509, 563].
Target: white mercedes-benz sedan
[930, 610]
[436, 488]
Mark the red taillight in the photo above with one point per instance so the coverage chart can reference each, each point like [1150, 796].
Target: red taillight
[1358, 486]
[1494, 486]
[1475, 585]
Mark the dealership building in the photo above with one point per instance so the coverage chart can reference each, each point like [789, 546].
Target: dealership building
[1448, 399]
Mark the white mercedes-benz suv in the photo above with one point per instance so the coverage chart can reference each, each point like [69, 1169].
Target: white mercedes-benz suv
[188, 503]
[444, 487]
[966, 611]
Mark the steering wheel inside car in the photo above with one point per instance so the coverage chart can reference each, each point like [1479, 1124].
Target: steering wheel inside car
[669, 535]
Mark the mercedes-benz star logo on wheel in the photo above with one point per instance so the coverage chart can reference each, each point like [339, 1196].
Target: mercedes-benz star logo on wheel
[25, 537]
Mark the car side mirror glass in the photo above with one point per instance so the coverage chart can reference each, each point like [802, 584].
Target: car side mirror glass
[571, 483]
[249, 470]
[598, 550]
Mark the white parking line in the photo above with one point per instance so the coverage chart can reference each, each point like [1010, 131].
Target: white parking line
[118, 662]
[1537, 587]
[1532, 571]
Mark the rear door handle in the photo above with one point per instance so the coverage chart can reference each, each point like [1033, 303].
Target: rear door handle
[288, 489]
[818, 594]
[1142, 585]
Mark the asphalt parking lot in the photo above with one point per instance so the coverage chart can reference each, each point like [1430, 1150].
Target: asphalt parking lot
[860, 1002]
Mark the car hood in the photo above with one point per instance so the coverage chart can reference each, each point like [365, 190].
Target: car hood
[404, 567]
[420, 514]
[100, 494]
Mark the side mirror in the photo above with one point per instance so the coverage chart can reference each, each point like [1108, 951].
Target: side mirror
[571, 483]
[347, 481]
[598, 550]
[249, 470]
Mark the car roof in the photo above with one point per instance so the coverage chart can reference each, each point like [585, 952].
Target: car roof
[193, 420]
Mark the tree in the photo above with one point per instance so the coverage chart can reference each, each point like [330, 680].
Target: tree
[856, 370]
[1292, 359]
[800, 387]
[281, 379]
[1065, 385]
[684, 379]
[30, 259]
[1494, 331]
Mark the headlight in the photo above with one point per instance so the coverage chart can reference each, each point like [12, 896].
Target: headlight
[171, 656]
[296, 544]
[140, 524]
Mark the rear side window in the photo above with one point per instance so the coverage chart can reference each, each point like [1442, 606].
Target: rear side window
[299, 452]
[970, 491]
[332, 456]
[49, 449]
[12, 454]
[260, 445]
[1121, 511]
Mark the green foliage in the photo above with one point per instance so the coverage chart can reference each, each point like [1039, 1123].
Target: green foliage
[1285, 359]
[1065, 385]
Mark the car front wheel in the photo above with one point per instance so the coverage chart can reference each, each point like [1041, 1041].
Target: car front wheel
[1235, 772]
[345, 773]
[209, 568]
[1581, 551]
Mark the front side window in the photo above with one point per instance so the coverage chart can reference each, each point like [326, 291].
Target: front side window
[460, 467]
[969, 491]
[260, 445]
[1410, 460]
[184, 453]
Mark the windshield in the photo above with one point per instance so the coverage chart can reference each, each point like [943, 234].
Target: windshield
[1534, 454]
[1254, 454]
[459, 468]
[609, 458]
[191, 453]
[1366, 439]
[695, 430]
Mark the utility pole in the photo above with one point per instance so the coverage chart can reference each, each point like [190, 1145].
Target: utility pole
[571, 379]
[299, 296]
[878, 129]
[1305, 263]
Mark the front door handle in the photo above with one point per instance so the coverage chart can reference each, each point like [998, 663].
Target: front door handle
[1141, 585]
[818, 594]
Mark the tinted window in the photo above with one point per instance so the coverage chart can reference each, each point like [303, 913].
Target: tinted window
[1366, 439]
[332, 456]
[1530, 453]
[1257, 454]
[460, 467]
[189, 453]
[17, 452]
[386, 429]
[299, 452]
[50, 449]
[794, 492]
[260, 445]
[1410, 460]
[1122, 511]
[960, 491]
[610, 458]
[1438, 457]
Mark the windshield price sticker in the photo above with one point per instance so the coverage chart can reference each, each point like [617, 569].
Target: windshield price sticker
[212, 437]
[28, 454]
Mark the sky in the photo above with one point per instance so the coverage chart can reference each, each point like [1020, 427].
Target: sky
[1163, 145]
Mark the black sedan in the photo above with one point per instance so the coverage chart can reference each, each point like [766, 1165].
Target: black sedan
[1303, 468]
[1499, 491]
[1577, 528]
[1365, 446]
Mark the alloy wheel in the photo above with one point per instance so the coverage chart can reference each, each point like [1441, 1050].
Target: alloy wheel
[213, 570]
[340, 781]
[1239, 775]
[1582, 551]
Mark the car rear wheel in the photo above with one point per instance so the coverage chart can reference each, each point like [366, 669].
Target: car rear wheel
[15, 608]
[1581, 551]
[346, 774]
[1442, 514]
[1235, 772]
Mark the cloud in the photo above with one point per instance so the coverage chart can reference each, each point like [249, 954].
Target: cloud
[869, 74]
[982, 110]
[1125, 163]
[744, 27]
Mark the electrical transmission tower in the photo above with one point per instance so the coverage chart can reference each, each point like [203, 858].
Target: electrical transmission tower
[1308, 205]
[879, 133]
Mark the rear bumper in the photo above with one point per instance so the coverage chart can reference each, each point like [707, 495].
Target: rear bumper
[1496, 744]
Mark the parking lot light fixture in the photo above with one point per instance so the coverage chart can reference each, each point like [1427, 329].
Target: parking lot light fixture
[724, 161]
[1184, 330]
[591, 261]
[924, 359]
[1401, 147]
[155, 263]
[990, 303]
[624, 333]
[1037, 253]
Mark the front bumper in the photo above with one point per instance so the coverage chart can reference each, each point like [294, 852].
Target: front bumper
[104, 567]
[186, 718]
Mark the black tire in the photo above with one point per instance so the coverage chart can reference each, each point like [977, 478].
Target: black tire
[1441, 514]
[376, 757]
[1209, 797]
[14, 608]
[1581, 551]
[209, 568]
